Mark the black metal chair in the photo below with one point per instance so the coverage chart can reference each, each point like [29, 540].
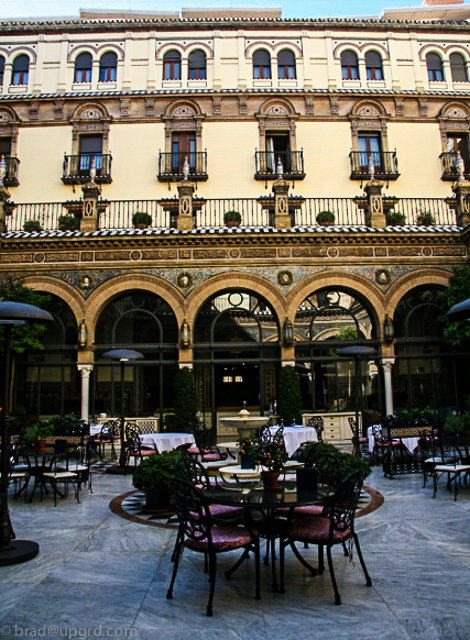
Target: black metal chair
[110, 432]
[57, 476]
[359, 443]
[205, 450]
[135, 450]
[198, 531]
[317, 423]
[336, 528]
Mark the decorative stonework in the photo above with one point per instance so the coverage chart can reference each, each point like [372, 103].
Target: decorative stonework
[314, 252]
[85, 281]
[107, 256]
[285, 278]
[258, 253]
[86, 256]
[283, 253]
[363, 252]
[17, 258]
[62, 257]
[383, 276]
[184, 280]
[405, 251]
[380, 251]
[184, 254]
[170, 254]
[427, 251]
[234, 253]
[333, 252]
[39, 257]
[209, 253]
[136, 255]
[450, 251]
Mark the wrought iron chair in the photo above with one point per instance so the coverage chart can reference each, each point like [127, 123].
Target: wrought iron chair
[135, 450]
[335, 528]
[109, 433]
[359, 443]
[198, 531]
[204, 449]
[56, 476]
[452, 465]
[318, 424]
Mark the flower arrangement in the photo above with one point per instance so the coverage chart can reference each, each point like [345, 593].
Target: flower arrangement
[270, 454]
[245, 444]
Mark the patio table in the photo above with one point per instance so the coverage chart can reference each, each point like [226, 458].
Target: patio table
[294, 436]
[165, 441]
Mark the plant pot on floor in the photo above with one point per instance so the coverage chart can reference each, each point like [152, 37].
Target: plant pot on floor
[157, 500]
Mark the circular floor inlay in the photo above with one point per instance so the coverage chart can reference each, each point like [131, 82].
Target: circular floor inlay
[129, 506]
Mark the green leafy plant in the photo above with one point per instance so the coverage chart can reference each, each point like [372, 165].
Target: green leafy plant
[289, 399]
[68, 425]
[271, 454]
[326, 217]
[425, 217]
[409, 418]
[154, 472]
[232, 216]
[245, 444]
[457, 291]
[44, 428]
[395, 217]
[348, 462]
[186, 407]
[32, 225]
[141, 217]
[67, 223]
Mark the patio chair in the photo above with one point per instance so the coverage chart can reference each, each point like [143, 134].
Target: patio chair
[335, 528]
[135, 450]
[198, 531]
[204, 450]
[360, 444]
[110, 432]
[452, 466]
[381, 444]
[317, 423]
[56, 477]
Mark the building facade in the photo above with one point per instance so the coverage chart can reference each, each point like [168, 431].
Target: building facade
[342, 144]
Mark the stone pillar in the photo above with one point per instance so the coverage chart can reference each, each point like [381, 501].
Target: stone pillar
[185, 220]
[375, 216]
[89, 220]
[85, 370]
[4, 197]
[462, 206]
[387, 364]
[282, 218]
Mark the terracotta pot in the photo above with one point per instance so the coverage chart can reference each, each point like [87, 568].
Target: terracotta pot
[141, 225]
[232, 223]
[270, 479]
[41, 446]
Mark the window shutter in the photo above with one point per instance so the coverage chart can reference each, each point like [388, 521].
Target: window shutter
[261, 58]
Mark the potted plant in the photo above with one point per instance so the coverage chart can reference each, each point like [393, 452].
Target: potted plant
[32, 225]
[348, 462]
[232, 218]
[245, 451]
[270, 455]
[289, 399]
[42, 430]
[326, 218]
[152, 475]
[186, 406]
[141, 220]
[425, 217]
[395, 217]
[67, 223]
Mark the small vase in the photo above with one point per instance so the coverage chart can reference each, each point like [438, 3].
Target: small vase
[270, 479]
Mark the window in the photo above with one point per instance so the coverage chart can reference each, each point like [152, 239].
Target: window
[349, 66]
[172, 66]
[197, 65]
[2, 69]
[286, 64]
[369, 148]
[20, 70]
[183, 145]
[91, 148]
[83, 68]
[261, 65]
[108, 67]
[374, 66]
[434, 65]
[5, 147]
[458, 143]
[278, 148]
[458, 68]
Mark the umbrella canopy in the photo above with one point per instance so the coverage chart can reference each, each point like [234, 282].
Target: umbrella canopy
[122, 354]
[460, 311]
[21, 313]
[356, 351]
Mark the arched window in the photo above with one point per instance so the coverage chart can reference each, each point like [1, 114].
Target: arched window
[20, 70]
[261, 64]
[374, 66]
[2, 69]
[349, 66]
[172, 66]
[108, 67]
[434, 65]
[83, 68]
[286, 64]
[197, 65]
[458, 68]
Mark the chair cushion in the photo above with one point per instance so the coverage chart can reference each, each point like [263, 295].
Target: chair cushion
[221, 510]
[213, 457]
[223, 539]
[315, 530]
[310, 510]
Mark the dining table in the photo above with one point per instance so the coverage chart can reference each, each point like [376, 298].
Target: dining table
[262, 508]
[165, 441]
[410, 443]
[295, 435]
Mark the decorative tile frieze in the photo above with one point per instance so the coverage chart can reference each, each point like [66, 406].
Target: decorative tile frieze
[107, 256]
[62, 257]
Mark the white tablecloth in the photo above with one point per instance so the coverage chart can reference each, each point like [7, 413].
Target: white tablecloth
[166, 441]
[410, 443]
[95, 429]
[294, 436]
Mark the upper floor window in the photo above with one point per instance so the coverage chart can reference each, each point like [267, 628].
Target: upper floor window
[458, 68]
[2, 69]
[349, 66]
[172, 66]
[261, 64]
[286, 64]
[83, 68]
[20, 70]
[197, 65]
[434, 65]
[374, 66]
[108, 67]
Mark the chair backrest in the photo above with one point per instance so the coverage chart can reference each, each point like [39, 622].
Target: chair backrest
[203, 439]
[193, 513]
[317, 423]
[192, 471]
[109, 429]
[378, 435]
[132, 437]
[345, 503]
[329, 468]
[353, 425]
[60, 447]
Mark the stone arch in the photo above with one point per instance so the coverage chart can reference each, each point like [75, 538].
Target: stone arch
[411, 281]
[346, 46]
[169, 46]
[285, 108]
[183, 108]
[233, 280]
[62, 290]
[113, 48]
[455, 110]
[21, 50]
[193, 46]
[259, 44]
[370, 295]
[91, 111]
[81, 48]
[98, 300]
[431, 48]
[374, 46]
[285, 44]
[368, 108]
[457, 48]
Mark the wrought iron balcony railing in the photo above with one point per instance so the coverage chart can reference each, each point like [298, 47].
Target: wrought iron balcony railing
[449, 166]
[170, 166]
[77, 168]
[385, 165]
[11, 176]
[292, 165]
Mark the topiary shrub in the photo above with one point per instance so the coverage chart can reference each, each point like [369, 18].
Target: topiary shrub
[32, 225]
[141, 218]
[326, 217]
[154, 472]
[185, 399]
[425, 217]
[67, 223]
[289, 399]
[232, 218]
[395, 217]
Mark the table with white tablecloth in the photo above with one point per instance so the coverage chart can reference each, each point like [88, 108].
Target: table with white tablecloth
[165, 441]
[294, 436]
[410, 443]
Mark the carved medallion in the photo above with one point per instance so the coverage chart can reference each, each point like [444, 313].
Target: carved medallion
[184, 280]
[136, 255]
[234, 253]
[39, 257]
[285, 278]
[383, 276]
[85, 281]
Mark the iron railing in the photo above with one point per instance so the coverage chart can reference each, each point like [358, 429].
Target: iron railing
[254, 212]
[11, 177]
[292, 164]
[170, 165]
[385, 164]
[77, 168]
[449, 166]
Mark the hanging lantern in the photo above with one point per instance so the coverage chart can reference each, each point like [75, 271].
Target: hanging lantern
[288, 333]
[82, 334]
[185, 334]
[389, 330]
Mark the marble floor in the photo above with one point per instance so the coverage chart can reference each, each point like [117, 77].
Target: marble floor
[98, 575]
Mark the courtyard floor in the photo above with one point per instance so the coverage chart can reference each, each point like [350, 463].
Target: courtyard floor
[99, 575]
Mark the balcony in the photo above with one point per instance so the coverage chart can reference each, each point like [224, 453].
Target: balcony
[77, 168]
[11, 176]
[292, 165]
[170, 166]
[385, 165]
[449, 167]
